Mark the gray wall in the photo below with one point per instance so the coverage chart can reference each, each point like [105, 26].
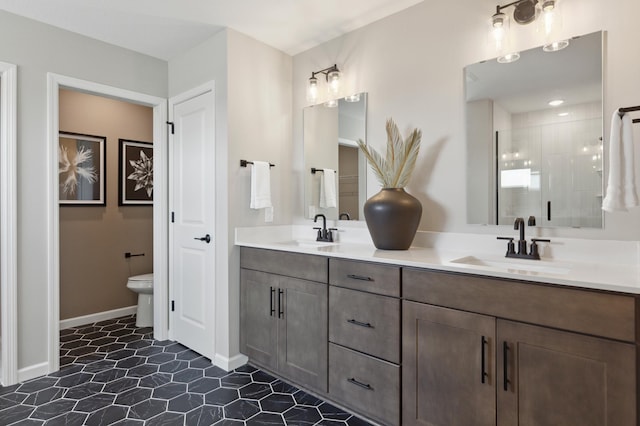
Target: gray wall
[411, 66]
[253, 122]
[37, 49]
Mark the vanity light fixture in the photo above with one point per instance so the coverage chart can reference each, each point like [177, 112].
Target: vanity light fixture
[525, 12]
[332, 76]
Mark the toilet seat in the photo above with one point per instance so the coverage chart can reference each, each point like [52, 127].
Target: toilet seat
[144, 281]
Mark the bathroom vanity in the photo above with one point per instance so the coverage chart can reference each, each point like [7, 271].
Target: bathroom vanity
[403, 343]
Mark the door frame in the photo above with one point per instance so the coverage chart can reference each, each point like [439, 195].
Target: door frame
[55, 82]
[173, 101]
[8, 225]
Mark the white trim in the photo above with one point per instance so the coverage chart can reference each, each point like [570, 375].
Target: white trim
[97, 317]
[160, 237]
[182, 97]
[8, 226]
[232, 363]
[33, 371]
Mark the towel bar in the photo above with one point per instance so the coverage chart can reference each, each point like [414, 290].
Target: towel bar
[315, 169]
[243, 163]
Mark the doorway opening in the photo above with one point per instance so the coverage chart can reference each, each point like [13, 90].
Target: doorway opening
[56, 83]
[106, 218]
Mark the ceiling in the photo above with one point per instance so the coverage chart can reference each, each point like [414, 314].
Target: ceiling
[165, 28]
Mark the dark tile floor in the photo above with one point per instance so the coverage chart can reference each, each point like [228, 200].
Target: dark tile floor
[115, 373]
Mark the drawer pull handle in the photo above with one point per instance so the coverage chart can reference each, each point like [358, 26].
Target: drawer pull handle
[359, 277]
[483, 374]
[362, 385]
[361, 324]
[505, 367]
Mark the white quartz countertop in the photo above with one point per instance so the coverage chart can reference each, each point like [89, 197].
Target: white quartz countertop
[612, 273]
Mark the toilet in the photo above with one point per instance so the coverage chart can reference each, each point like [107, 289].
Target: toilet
[143, 285]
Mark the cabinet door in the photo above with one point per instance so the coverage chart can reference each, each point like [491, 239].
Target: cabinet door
[548, 377]
[302, 332]
[258, 316]
[448, 367]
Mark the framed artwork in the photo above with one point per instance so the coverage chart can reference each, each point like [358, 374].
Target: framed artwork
[135, 181]
[81, 169]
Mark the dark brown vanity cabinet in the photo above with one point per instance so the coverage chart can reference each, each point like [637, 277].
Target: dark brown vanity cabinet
[482, 351]
[283, 314]
[364, 338]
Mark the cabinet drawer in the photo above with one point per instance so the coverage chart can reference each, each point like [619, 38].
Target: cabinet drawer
[304, 266]
[366, 384]
[365, 322]
[589, 312]
[365, 276]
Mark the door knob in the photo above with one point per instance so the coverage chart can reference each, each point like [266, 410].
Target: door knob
[206, 238]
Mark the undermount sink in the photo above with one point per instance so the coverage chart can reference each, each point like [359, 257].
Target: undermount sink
[308, 243]
[516, 265]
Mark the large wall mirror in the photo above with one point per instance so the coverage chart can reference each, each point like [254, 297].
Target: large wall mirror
[534, 137]
[330, 135]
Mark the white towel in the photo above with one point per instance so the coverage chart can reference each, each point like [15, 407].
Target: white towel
[328, 189]
[260, 185]
[621, 187]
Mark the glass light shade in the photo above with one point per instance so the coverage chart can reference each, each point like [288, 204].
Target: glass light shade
[555, 46]
[550, 26]
[333, 83]
[353, 98]
[312, 90]
[509, 57]
[499, 31]
[331, 103]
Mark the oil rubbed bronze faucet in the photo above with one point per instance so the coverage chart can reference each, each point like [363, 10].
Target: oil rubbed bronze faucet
[533, 254]
[324, 234]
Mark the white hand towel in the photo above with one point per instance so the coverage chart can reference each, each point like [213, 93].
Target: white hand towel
[621, 185]
[328, 189]
[260, 185]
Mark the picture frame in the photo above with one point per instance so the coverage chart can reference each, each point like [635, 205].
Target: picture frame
[135, 173]
[81, 169]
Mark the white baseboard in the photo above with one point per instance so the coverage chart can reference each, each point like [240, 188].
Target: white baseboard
[228, 364]
[97, 317]
[33, 371]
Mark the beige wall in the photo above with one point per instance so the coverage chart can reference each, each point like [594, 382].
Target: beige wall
[93, 239]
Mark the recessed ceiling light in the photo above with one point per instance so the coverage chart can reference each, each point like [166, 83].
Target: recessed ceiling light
[563, 114]
[556, 102]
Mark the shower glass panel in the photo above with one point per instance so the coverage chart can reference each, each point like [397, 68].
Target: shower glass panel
[551, 171]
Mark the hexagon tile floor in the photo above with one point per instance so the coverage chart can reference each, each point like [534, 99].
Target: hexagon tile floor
[116, 374]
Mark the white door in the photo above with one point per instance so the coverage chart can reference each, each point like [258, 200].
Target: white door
[192, 203]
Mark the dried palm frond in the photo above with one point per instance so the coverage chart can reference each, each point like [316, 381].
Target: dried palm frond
[396, 168]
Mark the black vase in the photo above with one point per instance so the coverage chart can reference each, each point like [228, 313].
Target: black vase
[392, 217]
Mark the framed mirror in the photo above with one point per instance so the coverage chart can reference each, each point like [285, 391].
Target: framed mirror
[534, 137]
[330, 135]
